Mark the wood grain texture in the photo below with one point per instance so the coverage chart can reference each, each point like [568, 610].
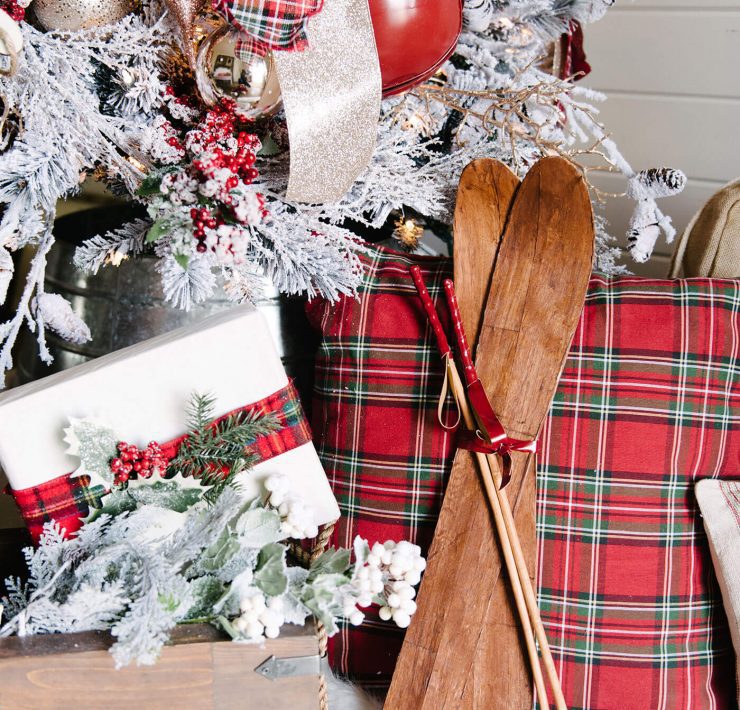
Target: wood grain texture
[484, 196]
[464, 647]
[201, 670]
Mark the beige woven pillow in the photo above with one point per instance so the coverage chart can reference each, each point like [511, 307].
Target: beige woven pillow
[710, 246]
[719, 502]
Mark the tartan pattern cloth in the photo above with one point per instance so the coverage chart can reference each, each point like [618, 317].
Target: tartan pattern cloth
[378, 380]
[64, 499]
[270, 24]
[67, 500]
[648, 402]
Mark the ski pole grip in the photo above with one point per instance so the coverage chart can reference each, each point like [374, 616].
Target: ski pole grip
[457, 324]
[426, 300]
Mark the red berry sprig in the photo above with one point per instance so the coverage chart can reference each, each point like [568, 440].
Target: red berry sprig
[133, 462]
[12, 8]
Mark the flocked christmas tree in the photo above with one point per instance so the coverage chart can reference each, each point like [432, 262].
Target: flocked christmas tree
[130, 93]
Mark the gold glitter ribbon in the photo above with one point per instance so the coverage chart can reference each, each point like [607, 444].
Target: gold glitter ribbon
[331, 92]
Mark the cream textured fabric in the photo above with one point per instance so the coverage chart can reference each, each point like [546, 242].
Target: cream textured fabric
[710, 246]
[719, 502]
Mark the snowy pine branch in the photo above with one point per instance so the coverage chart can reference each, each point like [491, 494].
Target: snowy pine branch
[112, 247]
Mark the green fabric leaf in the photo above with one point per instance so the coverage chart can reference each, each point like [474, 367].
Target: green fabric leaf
[271, 572]
[95, 445]
[165, 494]
[333, 561]
[258, 527]
[158, 230]
[217, 555]
[115, 503]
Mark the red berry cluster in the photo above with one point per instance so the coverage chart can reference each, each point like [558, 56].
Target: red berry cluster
[12, 8]
[212, 142]
[203, 217]
[132, 462]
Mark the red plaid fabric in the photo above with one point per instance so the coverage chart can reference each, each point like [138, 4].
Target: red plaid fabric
[648, 402]
[270, 24]
[378, 380]
[63, 499]
[67, 499]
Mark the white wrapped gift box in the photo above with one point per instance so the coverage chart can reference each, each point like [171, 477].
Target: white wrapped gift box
[142, 393]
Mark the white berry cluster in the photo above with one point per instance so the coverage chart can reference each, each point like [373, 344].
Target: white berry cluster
[298, 518]
[260, 616]
[389, 575]
[180, 188]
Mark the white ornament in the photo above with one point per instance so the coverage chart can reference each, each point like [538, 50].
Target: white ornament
[11, 43]
[647, 220]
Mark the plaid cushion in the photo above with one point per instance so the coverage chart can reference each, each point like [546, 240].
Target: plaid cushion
[378, 380]
[648, 402]
[270, 24]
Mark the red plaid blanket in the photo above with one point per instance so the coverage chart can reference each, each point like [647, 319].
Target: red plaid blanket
[649, 402]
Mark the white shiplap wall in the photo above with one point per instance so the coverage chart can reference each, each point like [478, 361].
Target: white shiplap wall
[671, 69]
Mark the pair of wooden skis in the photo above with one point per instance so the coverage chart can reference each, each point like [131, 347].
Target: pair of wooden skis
[523, 256]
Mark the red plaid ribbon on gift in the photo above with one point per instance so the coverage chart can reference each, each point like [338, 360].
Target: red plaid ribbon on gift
[270, 24]
[67, 500]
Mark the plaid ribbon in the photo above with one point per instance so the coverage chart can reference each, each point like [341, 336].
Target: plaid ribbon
[648, 402]
[67, 500]
[270, 24]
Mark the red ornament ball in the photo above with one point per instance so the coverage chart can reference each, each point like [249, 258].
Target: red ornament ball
[414, 39]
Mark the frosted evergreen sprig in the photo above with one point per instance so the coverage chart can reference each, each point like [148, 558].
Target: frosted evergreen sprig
[216, 451]
[140, 570]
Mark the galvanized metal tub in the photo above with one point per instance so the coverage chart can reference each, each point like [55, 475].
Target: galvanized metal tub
[125, 305]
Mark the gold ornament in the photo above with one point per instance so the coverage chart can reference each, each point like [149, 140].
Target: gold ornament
[73, 15]
[222, 73]
[185, 13]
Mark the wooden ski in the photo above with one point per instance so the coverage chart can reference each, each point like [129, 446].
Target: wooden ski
[464, 647]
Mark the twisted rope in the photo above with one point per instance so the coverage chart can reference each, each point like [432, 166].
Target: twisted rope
[320, 545]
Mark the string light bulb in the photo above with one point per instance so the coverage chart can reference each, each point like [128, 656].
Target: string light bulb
[408, 232]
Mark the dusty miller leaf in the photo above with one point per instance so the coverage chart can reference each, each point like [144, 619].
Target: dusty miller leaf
[333, 561]
[217, 555]
[271, 573]
[258, 527]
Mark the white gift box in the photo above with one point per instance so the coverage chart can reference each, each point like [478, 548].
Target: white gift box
[142, 393]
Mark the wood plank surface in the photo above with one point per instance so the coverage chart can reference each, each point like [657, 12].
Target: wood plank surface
[76, 671]
[464, 647]
[636, 48]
